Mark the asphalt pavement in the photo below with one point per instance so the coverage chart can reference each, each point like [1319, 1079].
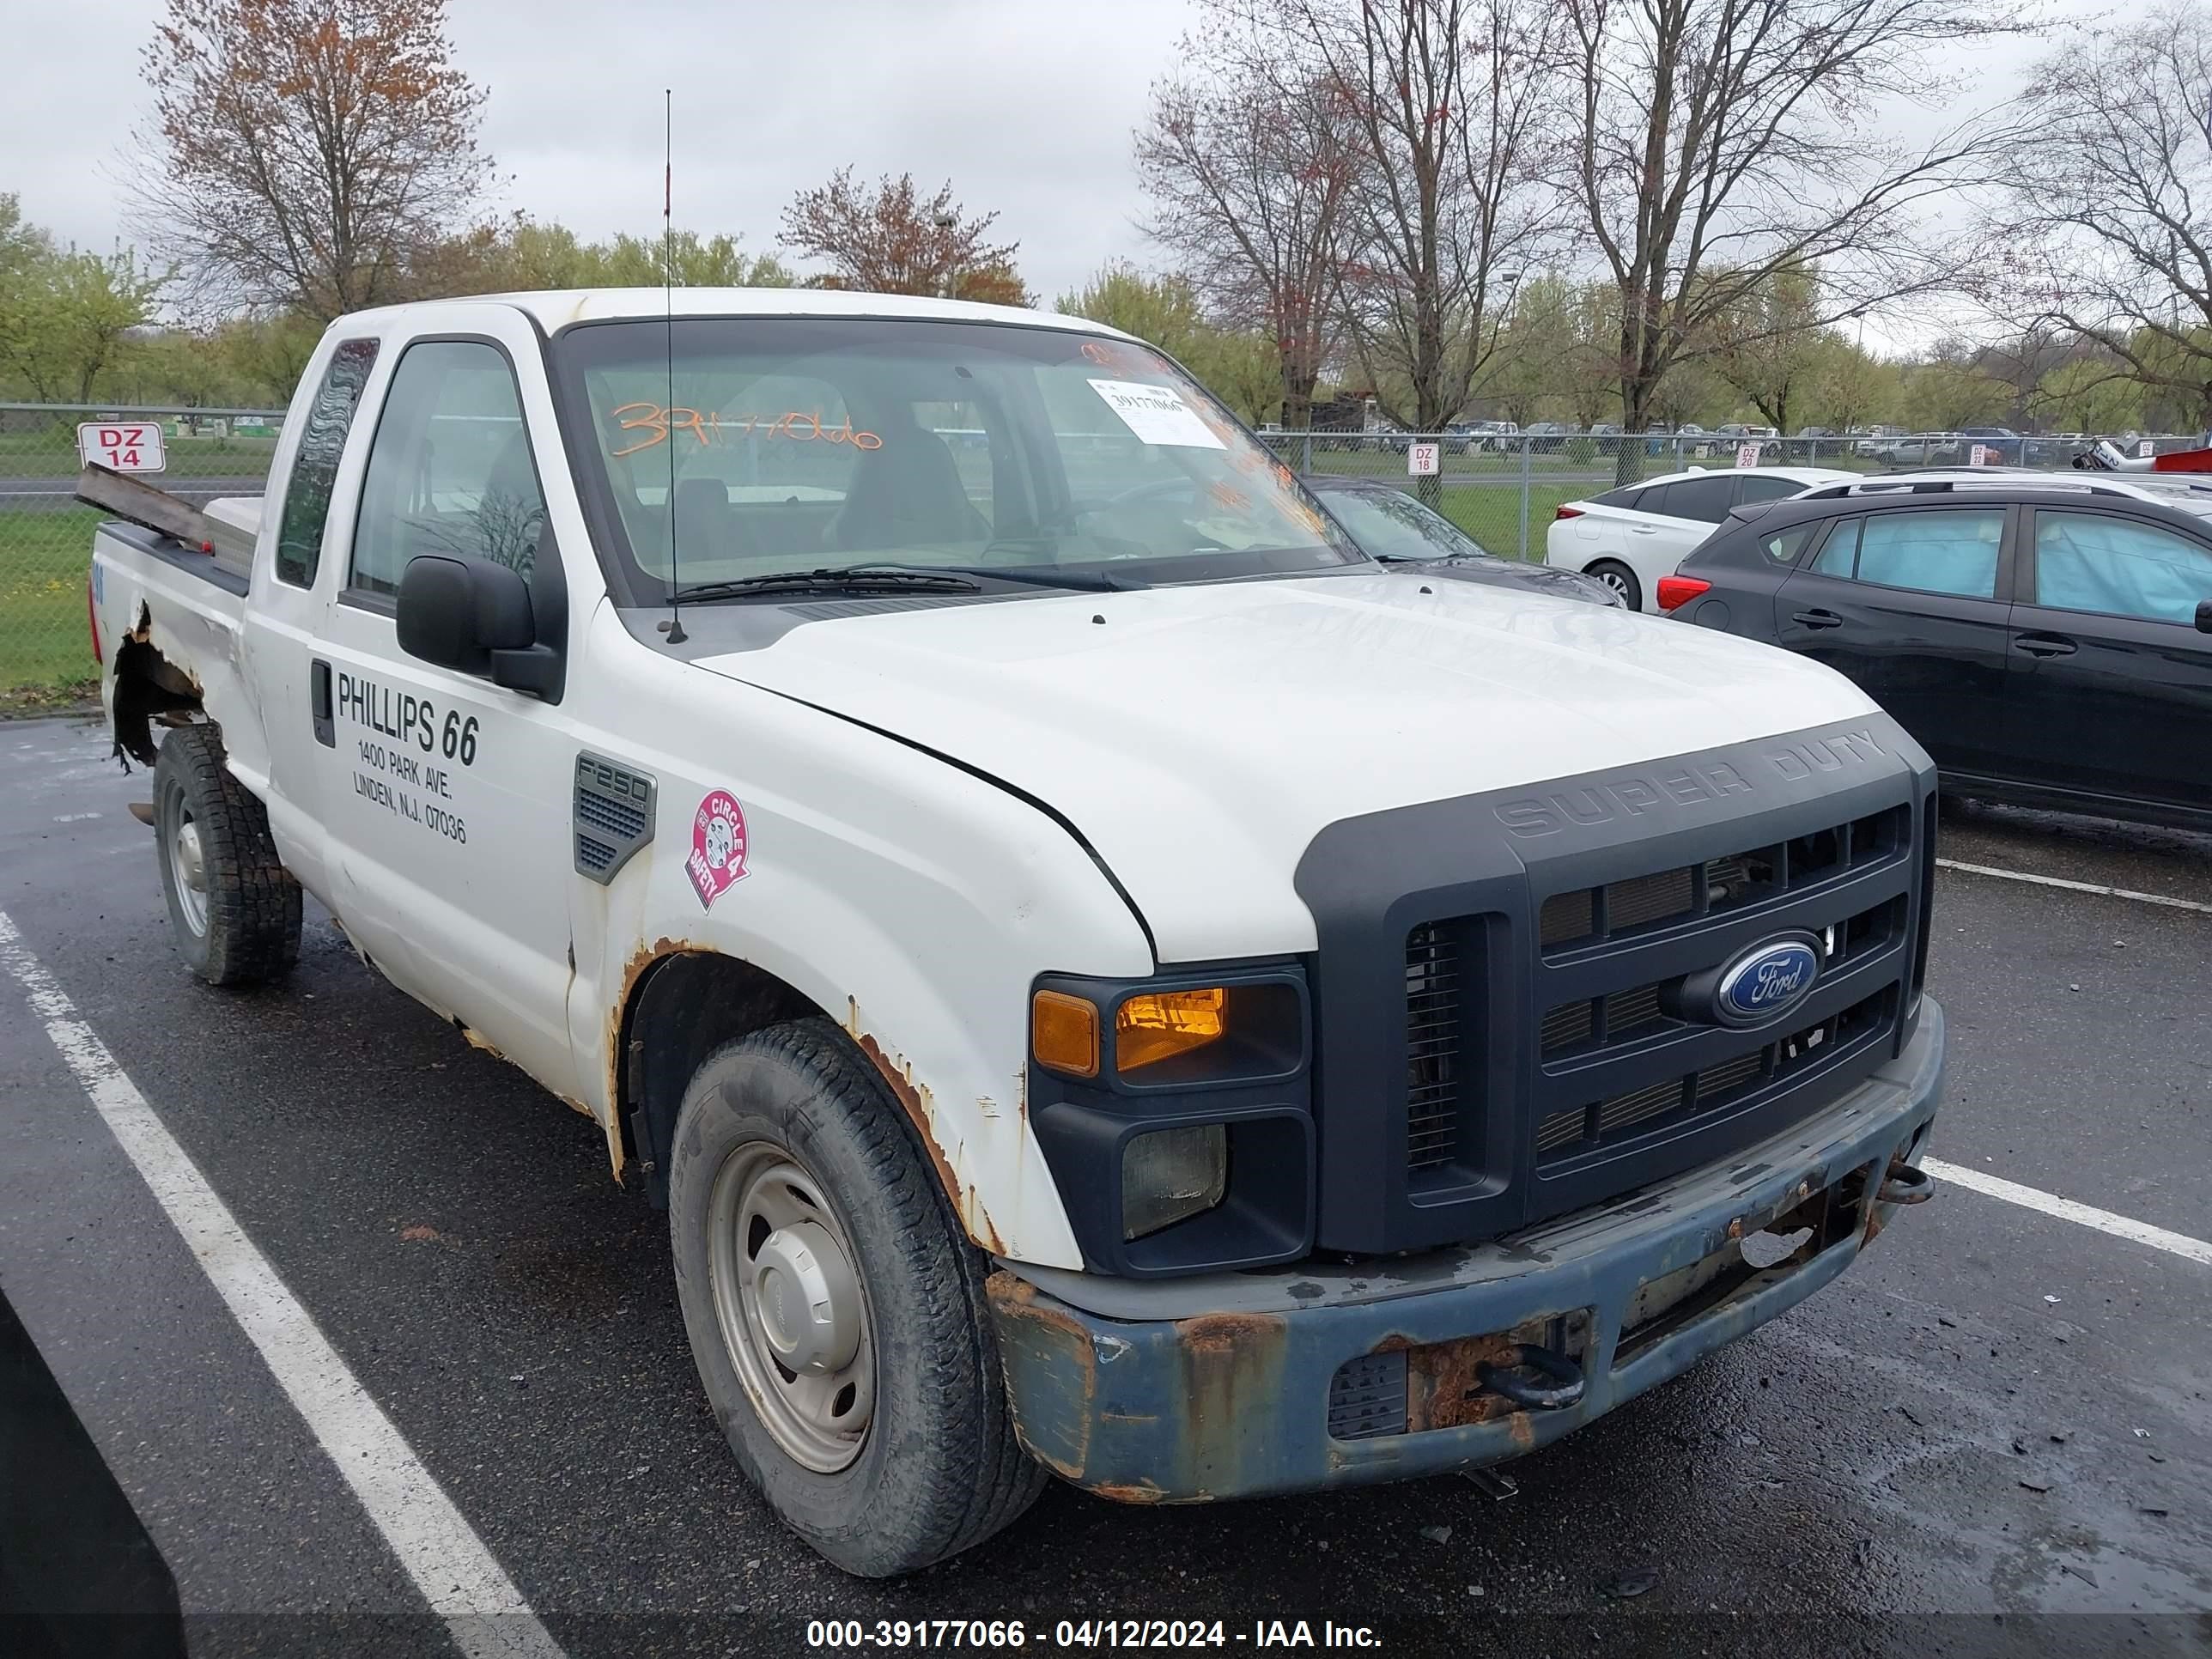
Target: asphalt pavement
[1993, 1435]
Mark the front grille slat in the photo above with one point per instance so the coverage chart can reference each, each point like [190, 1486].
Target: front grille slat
[1574, 1128]
[1592, 914]
[1433, 1061]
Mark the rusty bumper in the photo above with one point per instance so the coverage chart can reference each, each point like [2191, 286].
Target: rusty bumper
[1183, 1391]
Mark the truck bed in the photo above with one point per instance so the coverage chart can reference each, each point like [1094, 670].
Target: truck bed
[168, 619]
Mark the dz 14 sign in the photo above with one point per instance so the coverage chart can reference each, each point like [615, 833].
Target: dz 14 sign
[121, 446]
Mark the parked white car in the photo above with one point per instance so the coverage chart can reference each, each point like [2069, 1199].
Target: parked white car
[1629, 537]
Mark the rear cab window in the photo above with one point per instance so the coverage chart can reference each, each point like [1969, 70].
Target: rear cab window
[315, 466]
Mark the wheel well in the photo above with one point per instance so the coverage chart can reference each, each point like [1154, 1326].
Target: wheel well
[148, 686]
[684, 1005]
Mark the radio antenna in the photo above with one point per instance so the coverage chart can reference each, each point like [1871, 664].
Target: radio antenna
[676, 634]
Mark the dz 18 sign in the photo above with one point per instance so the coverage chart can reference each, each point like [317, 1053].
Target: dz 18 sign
[121, 446]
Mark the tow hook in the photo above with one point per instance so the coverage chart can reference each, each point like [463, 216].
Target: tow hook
[1906, 1184]
[1565, 1389]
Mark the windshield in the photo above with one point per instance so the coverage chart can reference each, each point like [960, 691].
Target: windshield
[1389, 523]
[798, 444]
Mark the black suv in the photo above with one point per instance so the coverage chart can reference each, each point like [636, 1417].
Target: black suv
[2047, 638]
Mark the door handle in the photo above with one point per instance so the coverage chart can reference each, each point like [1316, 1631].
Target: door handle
[1817, 618]
[2044, 644]
[1645, 529]
[319, 703]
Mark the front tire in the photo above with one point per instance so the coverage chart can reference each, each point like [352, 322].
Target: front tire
[1620, 579]
[234, 907]
[835, 1311]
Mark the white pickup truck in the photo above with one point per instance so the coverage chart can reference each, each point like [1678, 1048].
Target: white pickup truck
[1105, 978]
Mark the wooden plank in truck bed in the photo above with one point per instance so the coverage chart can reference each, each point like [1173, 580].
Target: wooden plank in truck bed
[136, 501]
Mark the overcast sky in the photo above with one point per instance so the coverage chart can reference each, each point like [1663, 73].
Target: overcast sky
[1027, 106]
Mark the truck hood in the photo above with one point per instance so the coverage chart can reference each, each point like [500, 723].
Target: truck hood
[1200, 737]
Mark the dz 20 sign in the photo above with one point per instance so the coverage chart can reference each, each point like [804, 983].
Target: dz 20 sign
[122, 446]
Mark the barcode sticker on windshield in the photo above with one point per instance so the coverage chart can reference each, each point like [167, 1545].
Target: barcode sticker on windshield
[1157, 414]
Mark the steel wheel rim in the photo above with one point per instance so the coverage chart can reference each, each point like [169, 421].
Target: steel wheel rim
[1616, 581]
[787, 1288]
[188, 861]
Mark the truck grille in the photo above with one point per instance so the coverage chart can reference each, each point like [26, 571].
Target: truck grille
[1597, 1074]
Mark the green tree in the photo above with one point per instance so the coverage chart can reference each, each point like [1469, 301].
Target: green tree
[1943, 396]
[1241, 366]
[65, 313]
[2090, 394]
[1852, 388]
[1553, 359]
[523, 255]
[1769, 343]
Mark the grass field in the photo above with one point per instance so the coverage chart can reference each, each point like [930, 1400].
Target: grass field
[46, 648]
[1492, 514]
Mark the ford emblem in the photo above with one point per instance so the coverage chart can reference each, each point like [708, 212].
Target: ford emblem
[1767, 981]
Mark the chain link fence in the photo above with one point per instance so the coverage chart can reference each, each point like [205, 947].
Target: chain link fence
[1502, 487]
[45, 535]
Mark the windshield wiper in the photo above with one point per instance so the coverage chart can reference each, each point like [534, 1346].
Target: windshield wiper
[837, 579]
[1048, 575]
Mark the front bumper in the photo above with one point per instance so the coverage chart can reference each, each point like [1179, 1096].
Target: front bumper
[1186, 1390]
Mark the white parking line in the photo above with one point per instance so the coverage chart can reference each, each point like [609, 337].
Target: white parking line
[457, 1575]
[2075, 886]
[2120, 1226]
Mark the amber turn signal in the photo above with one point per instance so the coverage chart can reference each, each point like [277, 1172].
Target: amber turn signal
[1064, 1033]
[1155, 1027]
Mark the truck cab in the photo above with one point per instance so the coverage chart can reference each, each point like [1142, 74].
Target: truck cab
[1105, 980]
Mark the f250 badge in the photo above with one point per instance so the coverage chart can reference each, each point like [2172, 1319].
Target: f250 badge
[718, 848]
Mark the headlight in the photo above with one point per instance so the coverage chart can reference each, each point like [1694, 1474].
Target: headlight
[1175, 1114]
[1164, 1023]
[1172, 1038]
[1170, 1175]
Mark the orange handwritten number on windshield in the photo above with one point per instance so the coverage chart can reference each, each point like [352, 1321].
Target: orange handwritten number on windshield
[657, 422]
[633, 417]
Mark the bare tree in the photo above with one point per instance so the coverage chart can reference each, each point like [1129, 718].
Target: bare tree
[300, 150]
[2106, 215]
[1447, 216]
[1716, 144]
[1249, 165]
[892, 240]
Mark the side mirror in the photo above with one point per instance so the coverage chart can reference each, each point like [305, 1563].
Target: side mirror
[475, 617]
[2205, 616]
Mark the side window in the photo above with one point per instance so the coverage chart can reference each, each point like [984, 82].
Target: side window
[449, 470]
[1784, 546]
[1621, 498]
[1767, 489]
[1839, 554]
[2118, 567]
[1705, 499]
[315, 468]
[1938, 552]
